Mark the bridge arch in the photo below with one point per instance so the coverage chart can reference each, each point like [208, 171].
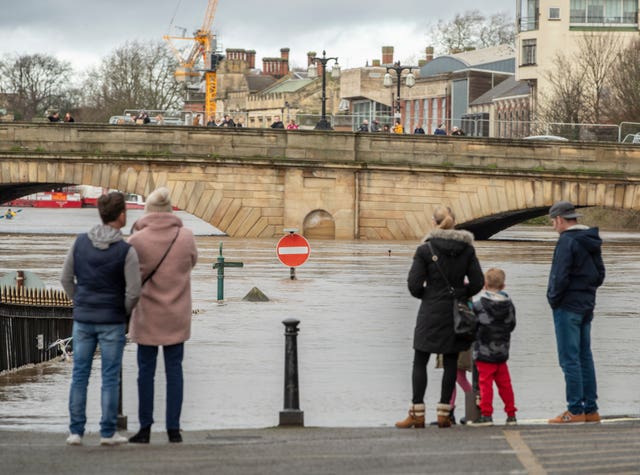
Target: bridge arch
[519, 199]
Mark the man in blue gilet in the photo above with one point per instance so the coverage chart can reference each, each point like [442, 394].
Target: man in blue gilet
[101, 273]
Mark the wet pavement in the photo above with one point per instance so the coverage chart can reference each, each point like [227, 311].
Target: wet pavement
[610, 447]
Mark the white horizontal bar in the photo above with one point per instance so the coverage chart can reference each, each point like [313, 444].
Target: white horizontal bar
[293, 250]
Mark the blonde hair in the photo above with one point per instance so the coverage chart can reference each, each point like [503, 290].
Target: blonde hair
[444, 217]
[494, 279]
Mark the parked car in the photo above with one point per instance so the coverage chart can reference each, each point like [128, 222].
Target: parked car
[550, 138]
[121, 120]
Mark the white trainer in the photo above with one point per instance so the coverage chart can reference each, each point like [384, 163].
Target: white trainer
[74, 439]
[115, 439]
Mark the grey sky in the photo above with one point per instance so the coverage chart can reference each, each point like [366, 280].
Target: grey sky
[84, 31]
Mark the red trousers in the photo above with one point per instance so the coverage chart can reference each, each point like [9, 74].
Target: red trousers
[487, 374]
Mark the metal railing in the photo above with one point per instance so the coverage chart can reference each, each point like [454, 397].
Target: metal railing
[471, 126]
[31, 320]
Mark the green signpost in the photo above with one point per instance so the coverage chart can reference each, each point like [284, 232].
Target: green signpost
[220, 264]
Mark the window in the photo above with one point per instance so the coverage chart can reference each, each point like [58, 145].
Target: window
[610, 12]
[434, 112]
[554, 13]
[528, 52]
[529, 19]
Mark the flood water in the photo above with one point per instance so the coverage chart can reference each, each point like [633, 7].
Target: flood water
[354, 346]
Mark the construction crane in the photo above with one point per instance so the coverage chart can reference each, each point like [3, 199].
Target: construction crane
[204, 46]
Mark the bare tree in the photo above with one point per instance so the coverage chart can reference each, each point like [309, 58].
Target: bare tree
[564, 98]
[34, 83]
[471, 30]
[135, 76]
[622, 102]
[579, 85]
[498, 29]
[597, 54]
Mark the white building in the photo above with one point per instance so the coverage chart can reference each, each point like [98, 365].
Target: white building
[546, 27]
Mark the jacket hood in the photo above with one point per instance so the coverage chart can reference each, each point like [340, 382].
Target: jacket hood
[451, 242]
[499, 309]
[103, 235]
[158, 221]
[587, 237]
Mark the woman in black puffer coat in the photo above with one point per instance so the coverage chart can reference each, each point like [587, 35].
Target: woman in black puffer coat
[434, 326]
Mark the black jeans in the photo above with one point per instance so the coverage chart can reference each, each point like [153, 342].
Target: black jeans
[419, 377]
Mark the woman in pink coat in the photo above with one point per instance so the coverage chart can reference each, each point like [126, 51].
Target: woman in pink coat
[167, 253]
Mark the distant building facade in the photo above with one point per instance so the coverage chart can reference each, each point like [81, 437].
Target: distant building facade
[547, 27]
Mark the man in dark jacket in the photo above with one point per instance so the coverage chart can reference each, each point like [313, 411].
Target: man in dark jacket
[277, 123]
[101, 273]
[364, 127]
[577, 271]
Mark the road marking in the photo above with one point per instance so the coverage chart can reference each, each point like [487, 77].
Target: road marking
[524, 453]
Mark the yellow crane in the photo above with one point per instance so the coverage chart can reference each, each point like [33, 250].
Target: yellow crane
[204, 45]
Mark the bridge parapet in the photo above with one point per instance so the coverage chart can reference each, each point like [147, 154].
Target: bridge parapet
[152, 142]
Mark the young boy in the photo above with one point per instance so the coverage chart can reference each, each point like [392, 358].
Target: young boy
[496, 321]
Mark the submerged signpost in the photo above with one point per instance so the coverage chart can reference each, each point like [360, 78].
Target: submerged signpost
[220, 264]
[293, 250]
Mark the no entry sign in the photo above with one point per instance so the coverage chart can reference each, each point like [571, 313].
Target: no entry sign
[293, 250]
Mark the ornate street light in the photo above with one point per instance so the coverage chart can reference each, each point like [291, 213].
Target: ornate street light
[324, 124]
[410, 81]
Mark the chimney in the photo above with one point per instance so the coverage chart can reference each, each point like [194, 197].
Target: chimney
[429, 53]
[284, 61]
[375, 62]
[310, 56]
[267, 66]
[387, 55]
[251, 58]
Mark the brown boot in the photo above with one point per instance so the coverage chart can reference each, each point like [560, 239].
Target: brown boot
[444, 415]
[414, 419]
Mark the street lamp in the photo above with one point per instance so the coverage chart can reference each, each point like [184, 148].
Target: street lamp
[410, 81]
[324, 124]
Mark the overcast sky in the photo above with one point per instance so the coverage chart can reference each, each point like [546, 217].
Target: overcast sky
[84, 31]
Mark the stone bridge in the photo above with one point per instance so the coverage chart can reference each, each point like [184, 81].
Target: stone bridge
[253, 183]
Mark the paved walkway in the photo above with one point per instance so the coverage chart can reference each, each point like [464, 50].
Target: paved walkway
[610, 447]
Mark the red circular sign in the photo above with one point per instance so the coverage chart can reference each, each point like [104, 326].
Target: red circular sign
[293, 250]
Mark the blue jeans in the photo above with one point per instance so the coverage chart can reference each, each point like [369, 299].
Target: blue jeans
[147, 356]
[86, 337]
[573, 337]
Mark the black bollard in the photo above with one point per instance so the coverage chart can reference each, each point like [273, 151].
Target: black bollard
[291, 415]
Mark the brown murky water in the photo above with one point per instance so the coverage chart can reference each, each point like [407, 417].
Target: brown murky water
[355, 333]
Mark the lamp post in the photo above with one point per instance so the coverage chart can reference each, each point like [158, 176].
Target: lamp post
[410, 81]
[324, 124]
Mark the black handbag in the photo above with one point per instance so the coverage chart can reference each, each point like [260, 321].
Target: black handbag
[465, 320]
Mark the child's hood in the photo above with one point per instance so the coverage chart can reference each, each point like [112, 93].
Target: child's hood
[497, 304]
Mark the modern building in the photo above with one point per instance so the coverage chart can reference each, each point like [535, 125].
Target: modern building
[448, 84]
[503, 111]
[548, 27]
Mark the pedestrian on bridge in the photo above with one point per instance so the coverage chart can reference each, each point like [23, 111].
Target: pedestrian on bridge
[577, 271]
[446, 251]
[101, 273]
[162, 317]
[364, 127]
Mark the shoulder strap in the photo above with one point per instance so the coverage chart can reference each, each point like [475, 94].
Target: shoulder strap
[434, 258]
[147, 278]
